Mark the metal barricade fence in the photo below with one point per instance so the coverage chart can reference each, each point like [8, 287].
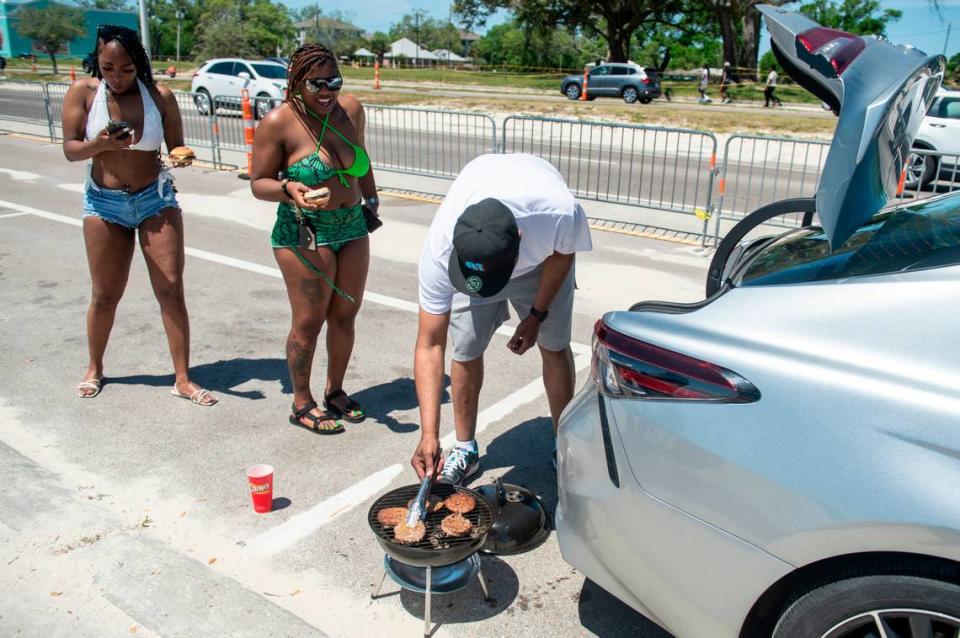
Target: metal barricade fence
[228, 118]
[663, 168]
[199, 127]
[758, 170]
[426, 142]
[930, 173]
[25, 102]
[56, 92]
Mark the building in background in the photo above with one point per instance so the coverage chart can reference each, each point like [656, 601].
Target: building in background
[328, 29]
[12, 44]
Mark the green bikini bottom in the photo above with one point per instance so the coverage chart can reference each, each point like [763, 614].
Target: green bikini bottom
[333, 228]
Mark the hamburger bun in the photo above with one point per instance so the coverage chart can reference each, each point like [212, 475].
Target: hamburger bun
[182, 156]
[319, 194]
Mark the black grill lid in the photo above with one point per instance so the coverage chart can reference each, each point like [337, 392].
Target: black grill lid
[519, 520]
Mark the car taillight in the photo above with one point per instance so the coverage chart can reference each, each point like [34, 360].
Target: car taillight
[624, 367]
[645, 80]
[838, 47]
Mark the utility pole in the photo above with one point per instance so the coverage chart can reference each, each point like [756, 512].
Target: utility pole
[416, 52]
[144, 27]
[181, 14]
[946, 40]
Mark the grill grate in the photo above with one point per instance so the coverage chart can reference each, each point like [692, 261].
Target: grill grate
[434, 539]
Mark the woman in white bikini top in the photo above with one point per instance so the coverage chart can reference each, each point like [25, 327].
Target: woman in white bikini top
[129, 193]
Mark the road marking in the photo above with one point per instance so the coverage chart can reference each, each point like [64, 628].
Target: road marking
[298, 527]
[21, 176]
[269, 271]
[504, 407]
[13, 215]
[302, 525]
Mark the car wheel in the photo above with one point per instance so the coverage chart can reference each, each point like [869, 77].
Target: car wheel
[921, 170]
[888, 605]
[203, 101]
[646, 100]
[572, 92]
[630, 95]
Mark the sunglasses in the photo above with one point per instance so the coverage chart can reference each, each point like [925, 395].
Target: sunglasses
[313, 85]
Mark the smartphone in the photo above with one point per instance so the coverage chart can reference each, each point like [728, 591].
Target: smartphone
[113, 126]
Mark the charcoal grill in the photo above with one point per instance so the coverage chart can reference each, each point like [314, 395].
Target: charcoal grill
[439, 563]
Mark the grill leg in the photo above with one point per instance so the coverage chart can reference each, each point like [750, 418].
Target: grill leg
[483, 585]
[376, 593]
[426, 606]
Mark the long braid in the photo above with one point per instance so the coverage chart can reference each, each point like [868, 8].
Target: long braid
[130, 42]
[303, 60]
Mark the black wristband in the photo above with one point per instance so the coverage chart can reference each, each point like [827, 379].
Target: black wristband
[541, 315]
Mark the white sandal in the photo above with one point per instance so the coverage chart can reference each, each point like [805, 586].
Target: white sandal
[90, 384]
[199, 397]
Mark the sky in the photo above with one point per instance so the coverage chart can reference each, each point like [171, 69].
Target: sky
[919, 26]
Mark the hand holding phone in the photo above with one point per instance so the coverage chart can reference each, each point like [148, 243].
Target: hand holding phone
[118, 126]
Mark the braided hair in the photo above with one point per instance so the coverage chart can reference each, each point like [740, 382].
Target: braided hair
[302, 62]
[130, 42]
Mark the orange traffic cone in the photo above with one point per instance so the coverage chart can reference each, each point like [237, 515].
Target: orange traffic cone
[583, 93]
[376, 75]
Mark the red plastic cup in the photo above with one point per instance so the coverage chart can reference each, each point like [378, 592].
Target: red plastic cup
[261, 487]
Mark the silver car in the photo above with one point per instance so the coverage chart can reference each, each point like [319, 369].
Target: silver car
[783, 458]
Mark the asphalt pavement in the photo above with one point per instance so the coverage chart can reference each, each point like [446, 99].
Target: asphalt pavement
[129, 513]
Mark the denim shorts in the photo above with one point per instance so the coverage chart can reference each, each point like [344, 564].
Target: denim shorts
[129, 209]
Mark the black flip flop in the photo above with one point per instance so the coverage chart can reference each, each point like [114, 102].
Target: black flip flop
[351, 406]
[315, 419]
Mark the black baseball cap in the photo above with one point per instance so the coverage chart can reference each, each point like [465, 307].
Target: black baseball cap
[486, 244]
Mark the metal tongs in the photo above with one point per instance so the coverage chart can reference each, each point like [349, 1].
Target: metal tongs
[418, 509]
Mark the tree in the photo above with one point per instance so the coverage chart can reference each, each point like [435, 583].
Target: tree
[853, 16]
[379, 45]
[51, 27]
[614, 20]
[428, 32]
[109, 5]
[953, 69]
[163, 25]
[232, 28]
[513, 44]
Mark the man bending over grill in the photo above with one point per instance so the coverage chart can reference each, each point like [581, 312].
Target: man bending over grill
[507, 231]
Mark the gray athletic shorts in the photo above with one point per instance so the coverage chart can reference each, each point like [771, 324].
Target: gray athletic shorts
[473, 321]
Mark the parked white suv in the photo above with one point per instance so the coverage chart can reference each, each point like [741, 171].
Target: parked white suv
[940, 132]
[227, 77]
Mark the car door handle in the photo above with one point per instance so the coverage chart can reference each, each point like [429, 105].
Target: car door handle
[938, 125]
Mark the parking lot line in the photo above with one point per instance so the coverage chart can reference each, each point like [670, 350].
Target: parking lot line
[242, 264]
[302, 525]
[13, 215]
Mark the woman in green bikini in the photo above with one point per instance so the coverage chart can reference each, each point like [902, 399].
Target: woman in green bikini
[314, 140]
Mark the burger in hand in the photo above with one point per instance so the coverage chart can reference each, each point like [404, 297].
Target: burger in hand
[181, 156]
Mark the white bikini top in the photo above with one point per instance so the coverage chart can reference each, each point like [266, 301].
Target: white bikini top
[99, 115]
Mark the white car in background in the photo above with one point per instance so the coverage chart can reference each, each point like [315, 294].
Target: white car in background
[265, 81]
[939, 132]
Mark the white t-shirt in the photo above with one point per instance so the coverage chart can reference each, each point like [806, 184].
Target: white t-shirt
[772, 78]
[548, 217]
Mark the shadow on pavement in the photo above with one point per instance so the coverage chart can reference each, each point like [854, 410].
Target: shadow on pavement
[608, 617]
[399, 395]
[222, 376]
[526, 449]
[467, 605]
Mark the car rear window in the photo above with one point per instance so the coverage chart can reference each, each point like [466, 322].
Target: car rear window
[922, 235]
[270, 71]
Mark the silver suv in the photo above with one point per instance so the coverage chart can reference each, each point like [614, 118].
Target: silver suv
[615, 79]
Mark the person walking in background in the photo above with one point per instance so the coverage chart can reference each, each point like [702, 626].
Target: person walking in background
[309, 156]
[704, 83]
[726, 79]
[3, 65]
[118, 120]
[768, 97]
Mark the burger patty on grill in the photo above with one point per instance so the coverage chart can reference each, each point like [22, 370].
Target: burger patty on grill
[461, 503]
[392, 516]
[455, 525]
[432, 504]
[409, 535]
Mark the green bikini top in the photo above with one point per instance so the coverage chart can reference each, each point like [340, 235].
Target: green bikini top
[312, 170]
